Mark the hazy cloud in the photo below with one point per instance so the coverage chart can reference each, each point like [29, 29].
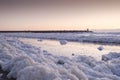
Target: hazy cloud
[59, 12]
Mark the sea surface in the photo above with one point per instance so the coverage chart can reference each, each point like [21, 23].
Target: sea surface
[72, 49]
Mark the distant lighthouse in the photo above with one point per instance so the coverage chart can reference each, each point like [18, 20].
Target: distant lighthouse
[87, 29]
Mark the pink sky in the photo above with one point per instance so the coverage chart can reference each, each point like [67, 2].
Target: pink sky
[59, 14]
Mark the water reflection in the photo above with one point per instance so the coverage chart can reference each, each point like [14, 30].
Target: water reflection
[76, 48]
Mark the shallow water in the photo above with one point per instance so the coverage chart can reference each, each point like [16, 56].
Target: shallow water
[77, 48]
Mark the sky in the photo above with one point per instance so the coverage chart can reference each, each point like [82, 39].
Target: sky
[59, 14]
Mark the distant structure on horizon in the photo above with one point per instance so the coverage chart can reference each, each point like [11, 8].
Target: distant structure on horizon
[48, 31]
[88, 30]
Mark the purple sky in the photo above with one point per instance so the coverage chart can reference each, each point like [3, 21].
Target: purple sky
[59, 14]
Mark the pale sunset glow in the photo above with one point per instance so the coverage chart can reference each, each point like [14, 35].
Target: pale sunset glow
[59, 14]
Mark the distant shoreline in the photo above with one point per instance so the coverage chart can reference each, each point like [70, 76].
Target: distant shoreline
[54, 31]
